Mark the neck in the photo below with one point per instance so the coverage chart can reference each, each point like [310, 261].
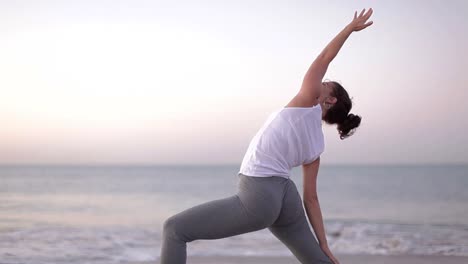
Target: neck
[324, 110]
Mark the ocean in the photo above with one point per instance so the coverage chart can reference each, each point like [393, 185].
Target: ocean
[114, 214]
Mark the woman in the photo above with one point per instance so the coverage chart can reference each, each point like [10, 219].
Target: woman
[266, 197]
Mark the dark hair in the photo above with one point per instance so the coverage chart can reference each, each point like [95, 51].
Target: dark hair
[339, 112]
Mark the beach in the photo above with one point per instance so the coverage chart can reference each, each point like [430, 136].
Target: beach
[107, 215]
[344, 259]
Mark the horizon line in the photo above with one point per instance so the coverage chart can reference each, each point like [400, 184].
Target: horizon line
[212, 164]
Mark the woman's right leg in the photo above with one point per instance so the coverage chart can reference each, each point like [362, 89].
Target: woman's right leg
[292, 228]
[256, 206]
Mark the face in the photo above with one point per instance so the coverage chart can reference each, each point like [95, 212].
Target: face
[326, 99]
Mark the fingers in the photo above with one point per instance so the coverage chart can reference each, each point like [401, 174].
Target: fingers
[369, 13]
[362, 12]
[368, 24]
[366, 15]
[335, 260]
[360, 21]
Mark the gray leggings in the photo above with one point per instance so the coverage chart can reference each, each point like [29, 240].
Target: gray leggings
[261, 202]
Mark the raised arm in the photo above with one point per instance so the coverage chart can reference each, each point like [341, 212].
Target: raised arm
[311, 85]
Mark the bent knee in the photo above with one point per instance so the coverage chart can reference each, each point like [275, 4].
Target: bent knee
[170, 226]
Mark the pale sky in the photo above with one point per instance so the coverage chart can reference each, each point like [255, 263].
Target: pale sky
[190, 82]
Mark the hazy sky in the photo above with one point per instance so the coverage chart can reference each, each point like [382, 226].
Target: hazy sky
[171, 82]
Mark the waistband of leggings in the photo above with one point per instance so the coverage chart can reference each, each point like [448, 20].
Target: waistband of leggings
[272, 177]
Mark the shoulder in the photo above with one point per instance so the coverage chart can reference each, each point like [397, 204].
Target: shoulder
[304, 110]
[301, 100]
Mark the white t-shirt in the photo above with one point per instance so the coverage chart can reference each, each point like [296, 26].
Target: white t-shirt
[290, 137]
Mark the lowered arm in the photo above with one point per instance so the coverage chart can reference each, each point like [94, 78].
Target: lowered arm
[311, 202]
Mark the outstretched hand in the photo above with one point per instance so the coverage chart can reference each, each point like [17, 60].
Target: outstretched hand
[327, 252]
[359, 22]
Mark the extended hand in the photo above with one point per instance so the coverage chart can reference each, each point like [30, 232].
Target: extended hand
[359, 22]
[327, 252]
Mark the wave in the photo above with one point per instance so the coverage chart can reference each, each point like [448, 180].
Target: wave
[101, 245]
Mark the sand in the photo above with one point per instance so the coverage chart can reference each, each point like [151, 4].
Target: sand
[344, 259]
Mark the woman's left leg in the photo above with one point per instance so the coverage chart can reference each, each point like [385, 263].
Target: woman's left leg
[254, 207]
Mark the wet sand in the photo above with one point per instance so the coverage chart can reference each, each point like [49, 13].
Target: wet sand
[344, 259]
